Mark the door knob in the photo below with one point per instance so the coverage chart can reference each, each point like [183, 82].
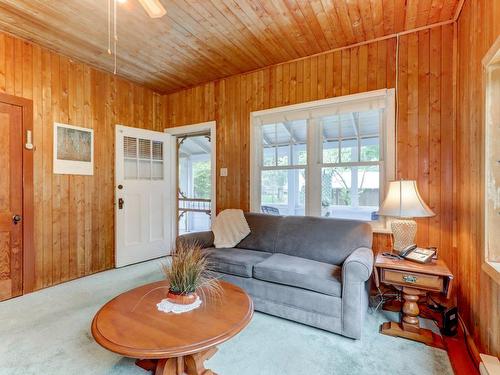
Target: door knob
[16, 219]
[120, 203]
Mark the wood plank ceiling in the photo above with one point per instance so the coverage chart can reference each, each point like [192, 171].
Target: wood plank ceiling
[204, 40]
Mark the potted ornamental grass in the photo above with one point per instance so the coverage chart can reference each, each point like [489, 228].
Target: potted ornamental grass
[188, 274]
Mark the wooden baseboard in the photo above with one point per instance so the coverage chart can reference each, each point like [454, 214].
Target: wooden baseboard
[471, 345]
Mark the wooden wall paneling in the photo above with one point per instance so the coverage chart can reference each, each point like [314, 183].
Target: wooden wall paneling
[329, 87]
[354, 70]
[423, 127]
[73, 218]
[390, 64]
[64, 196]
[56, 179]
[478, 294]
[315, 79]
[363, 69]
[76, 219]
[447, 143]
[37, 96]
[434, 186]
[2, 62]
[345, 72]
[402, 117]
[382, 55]
[88, 182]
[96, 103]
[43, 149]
[371, 58]
[337, 73]
[108, 169]
[28, 256]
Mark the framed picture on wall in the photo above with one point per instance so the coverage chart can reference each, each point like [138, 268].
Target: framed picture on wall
[73, 150]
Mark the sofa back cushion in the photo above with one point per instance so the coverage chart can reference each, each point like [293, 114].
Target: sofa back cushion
[322, 239]
[264, 230]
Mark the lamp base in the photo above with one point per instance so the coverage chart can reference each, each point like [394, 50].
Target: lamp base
[403, 231]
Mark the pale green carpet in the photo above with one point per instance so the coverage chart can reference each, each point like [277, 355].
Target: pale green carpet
[48, 333]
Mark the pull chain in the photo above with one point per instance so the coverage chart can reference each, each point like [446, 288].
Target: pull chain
[109, 27]
[113, 51]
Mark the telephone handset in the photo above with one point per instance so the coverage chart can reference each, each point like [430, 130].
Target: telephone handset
[417, 254]
[407, 250]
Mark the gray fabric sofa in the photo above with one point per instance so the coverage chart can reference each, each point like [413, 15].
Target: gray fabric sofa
[311, 270]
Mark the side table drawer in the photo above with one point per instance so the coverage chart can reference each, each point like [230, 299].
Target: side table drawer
[412, 279]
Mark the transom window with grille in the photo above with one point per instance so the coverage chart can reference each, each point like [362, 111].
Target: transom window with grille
[327, 158]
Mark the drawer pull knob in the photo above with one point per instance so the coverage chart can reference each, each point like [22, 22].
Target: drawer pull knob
[410, 279]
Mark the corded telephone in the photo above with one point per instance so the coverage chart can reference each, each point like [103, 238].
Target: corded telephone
[414, 253]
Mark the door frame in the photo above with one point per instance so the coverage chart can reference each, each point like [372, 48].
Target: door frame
[210, 126]
[28, 203]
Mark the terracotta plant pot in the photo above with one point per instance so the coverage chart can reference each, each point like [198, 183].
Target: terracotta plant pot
[181, 298]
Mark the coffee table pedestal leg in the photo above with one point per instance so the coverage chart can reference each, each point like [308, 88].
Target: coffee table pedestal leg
[187, 365]
[195, 362]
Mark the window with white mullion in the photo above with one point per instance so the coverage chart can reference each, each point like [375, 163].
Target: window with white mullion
[325, 158]
[282, 168]
[350, 187]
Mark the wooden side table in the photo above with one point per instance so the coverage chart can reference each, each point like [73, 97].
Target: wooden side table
[414, 280]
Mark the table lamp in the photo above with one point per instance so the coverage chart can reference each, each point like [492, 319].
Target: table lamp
[403, 202]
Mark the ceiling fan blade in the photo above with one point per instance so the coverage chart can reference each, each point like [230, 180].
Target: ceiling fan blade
[153, 8]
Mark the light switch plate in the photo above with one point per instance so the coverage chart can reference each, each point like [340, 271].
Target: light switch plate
[223, 172]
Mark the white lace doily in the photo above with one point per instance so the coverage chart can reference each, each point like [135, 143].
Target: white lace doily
[166, 306]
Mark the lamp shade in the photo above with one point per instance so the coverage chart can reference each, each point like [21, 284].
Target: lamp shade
[404, 200]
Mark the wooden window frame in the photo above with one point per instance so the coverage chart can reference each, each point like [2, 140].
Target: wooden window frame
[28, 200]
[491, 267]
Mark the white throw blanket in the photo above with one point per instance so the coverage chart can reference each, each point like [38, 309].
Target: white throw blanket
[229, 227]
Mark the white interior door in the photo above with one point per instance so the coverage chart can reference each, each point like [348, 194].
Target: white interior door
[142, 195]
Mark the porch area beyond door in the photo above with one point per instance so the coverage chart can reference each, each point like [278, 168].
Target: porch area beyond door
[194, 170]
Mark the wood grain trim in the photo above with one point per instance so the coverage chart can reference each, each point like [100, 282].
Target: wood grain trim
[458, 10]
[489, 57]
[28, 205]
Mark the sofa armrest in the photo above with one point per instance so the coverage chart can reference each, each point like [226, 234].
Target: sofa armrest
[358, 266]
[356, 271]
[204, 239]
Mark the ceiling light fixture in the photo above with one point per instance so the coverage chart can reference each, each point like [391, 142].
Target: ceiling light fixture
[153, 8]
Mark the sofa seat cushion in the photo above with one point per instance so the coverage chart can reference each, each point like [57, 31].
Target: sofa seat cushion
[301, 273]
[238, 262]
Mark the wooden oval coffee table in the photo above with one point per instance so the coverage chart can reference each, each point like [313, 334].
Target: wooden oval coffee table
[169, 343]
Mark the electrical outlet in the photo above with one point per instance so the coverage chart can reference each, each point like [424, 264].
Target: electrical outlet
[223, 172]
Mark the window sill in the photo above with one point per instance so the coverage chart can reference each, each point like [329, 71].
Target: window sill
[493, 270]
